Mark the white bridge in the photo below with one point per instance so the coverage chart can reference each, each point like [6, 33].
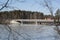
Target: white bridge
[31, 21]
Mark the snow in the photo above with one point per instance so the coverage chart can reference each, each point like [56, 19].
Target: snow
[13, 21]
[29, 32]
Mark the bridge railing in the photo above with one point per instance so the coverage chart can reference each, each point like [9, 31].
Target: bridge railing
[35, 21]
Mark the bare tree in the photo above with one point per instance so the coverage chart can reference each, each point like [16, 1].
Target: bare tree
[57, 17]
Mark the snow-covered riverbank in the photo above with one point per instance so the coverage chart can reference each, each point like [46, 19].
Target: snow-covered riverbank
[29, 32]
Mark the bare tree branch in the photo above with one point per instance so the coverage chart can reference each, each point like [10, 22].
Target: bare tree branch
[4, 5]
[11, 31]
[47, 4]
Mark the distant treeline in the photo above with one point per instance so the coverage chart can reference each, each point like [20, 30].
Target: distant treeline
[17, 14]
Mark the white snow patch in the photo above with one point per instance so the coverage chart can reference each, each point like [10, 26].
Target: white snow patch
[13, 21]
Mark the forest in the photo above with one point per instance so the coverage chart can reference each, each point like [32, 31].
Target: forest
[18, 14]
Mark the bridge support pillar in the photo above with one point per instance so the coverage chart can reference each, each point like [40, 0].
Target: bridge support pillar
[21, 22]
[36, 22]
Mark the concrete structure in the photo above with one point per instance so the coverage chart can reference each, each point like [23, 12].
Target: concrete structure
[32, 21]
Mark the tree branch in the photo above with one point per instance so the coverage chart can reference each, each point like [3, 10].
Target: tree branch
[4, 5]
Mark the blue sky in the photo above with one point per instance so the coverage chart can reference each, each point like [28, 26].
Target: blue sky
[31, 5]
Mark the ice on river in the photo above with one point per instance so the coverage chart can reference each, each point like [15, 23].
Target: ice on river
[29, 32]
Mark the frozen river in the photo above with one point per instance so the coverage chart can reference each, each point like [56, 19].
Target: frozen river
[28, 32]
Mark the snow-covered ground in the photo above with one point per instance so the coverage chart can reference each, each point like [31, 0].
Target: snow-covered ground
[29, 32]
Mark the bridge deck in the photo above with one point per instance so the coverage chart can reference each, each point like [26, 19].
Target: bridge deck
[32, 21]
